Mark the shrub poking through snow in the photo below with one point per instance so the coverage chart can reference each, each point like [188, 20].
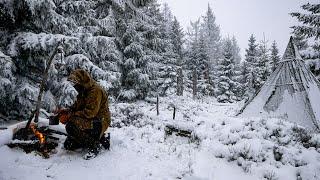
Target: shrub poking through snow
[270, 175]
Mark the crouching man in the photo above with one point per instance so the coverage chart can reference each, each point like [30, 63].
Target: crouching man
[89, 117]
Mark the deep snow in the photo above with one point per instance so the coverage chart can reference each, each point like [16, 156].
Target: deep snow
[230, 147]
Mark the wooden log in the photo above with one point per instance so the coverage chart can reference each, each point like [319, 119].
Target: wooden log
[170, 129]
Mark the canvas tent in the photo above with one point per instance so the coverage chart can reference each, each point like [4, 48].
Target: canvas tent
[291, 92]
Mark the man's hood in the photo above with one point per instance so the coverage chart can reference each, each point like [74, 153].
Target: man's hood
[82, 78]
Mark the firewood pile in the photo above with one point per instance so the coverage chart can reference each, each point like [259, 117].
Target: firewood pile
[41, 140]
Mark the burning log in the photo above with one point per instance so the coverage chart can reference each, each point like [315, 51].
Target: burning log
[40, 140]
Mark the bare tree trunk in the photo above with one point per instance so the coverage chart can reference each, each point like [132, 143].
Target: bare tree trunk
[180, 82]
[195, 82]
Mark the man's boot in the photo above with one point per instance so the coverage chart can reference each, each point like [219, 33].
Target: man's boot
[70, 144]
[105, 141]
[93, 152]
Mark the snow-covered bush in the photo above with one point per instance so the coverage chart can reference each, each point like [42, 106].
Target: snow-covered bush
[124, 114]
[315, 141]
[270, 175]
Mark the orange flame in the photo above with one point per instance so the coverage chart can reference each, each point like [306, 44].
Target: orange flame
[38, 134]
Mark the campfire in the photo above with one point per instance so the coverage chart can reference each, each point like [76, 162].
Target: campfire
[38, 134]
[41, 140]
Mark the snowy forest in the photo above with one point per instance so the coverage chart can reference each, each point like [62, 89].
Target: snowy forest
[133, 49]
[138, 52]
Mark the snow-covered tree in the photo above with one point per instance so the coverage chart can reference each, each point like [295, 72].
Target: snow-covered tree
[225, 71]
[134, 77]
[199, 60]
[275, 58]
[262, 68]
[237, 71]
[211, 34]
[168, 19]
[176, 37]
[89, 33]
[239, 86]
[203, 68]
[236, 50]
[7, 83]
[309, 30]
[251, 60]
[193, 34]
[310, 21]
[245, 81]
[192, 47]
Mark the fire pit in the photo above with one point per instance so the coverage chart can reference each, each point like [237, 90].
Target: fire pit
[41, 140]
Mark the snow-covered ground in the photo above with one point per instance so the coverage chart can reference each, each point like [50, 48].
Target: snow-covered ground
[229, 148]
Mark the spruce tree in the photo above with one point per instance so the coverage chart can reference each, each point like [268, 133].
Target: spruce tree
[134, 78]
[275, 58]
[193, 34]
[309, 30]
[7, 83]
[262, 70]
[168, 19]
[310, 21]
[237, 75]
[245, 81]
[225, 71]
[211, 33]
[250, 62]
[236, 50]
[192, 46]
[177, 39]
[203, 68]
[91, 32]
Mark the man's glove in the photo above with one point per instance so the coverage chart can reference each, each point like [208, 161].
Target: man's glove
[64, 118]
[63, 115]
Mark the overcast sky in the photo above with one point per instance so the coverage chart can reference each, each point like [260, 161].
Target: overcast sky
[242, 18]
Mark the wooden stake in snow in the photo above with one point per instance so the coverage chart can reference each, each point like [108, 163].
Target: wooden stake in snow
[158, 106]
[174, 112]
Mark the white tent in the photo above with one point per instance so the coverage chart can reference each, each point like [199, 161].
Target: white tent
[291, 92]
